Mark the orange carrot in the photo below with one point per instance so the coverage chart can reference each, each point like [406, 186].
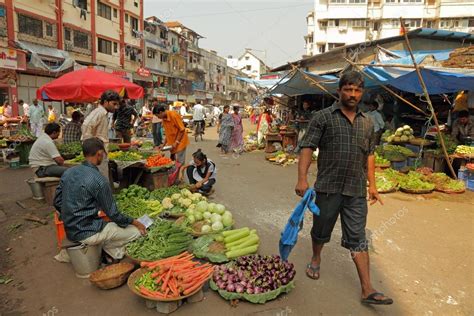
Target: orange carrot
[165, 282]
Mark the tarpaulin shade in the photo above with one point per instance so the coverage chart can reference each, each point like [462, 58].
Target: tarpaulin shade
[299, 84]
[86, 85]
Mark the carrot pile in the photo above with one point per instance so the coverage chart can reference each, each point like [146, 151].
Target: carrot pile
[173, 277]
[157, 161]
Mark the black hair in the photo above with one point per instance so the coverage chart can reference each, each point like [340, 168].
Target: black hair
[236, 108]
[226, 107]
[21, 101]
[463, 113]
[159, 109]
[51, 128]
[351, 77]
[76, 115]
[199, 155]
[91, 146]
[108, 96]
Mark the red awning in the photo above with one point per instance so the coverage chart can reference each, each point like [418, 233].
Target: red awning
[86, 85]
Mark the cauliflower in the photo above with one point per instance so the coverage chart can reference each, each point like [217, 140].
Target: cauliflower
[167, 203]
[175, 197]
[186, 193]
[185, 202]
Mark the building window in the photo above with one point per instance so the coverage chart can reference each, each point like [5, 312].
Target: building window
[356, 1]
[105, 46]
[323, 24]
[391, 1]
[135, 3]
[248, 67]
[333, 23]
[80, 3]
[67, 34]
[173, 41]
[81, 40]
[470, 23]
[30, 26]
[115, 13]
[115, 47]
[337, 1]
[126, 18]
[395, 23]
[321, 48]
[134, 23]
[357, 23]
[49, 29]
[151, 53]
[163, 57]
[413, 23]
[412, 1]
[334, 45]
[431, 24]
[247, 57]
[104, 10]
[163, 34]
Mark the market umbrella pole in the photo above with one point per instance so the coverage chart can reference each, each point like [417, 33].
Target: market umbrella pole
[388, 89]
[430, 105]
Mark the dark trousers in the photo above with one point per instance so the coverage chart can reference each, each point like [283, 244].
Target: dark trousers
[156, 131]
[206, 187]
[51, 171]
[125, 135]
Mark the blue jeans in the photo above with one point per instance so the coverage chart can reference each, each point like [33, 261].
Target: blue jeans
[156, 131]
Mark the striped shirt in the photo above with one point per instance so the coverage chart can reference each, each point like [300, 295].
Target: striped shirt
[72, 132]
[81, 194]
[343, 150]
[96, 124]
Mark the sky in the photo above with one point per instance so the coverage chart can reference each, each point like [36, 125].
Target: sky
[273, 29]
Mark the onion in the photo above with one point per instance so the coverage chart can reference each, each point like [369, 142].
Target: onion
[284, 281]
[249, 290]
[225, 277]
[257, 290]
[239, 288]
[221, 285]
[230, 287]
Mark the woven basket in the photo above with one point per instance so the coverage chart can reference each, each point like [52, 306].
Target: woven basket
[426, 191]
[111, 276]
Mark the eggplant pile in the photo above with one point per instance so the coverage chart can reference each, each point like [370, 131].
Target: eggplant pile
[254, 274]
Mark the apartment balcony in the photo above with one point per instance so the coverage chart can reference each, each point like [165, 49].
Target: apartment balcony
[195, 67]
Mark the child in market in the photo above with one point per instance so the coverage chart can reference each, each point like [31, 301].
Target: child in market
[201, 173]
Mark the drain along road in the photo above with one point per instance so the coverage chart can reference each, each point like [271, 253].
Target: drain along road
[421, 252]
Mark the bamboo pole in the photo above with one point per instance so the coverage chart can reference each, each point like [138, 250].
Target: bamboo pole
[388, 65]
[314, 82]
[389, 90]
[427, 96]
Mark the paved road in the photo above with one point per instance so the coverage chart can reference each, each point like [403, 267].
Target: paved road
[421, 252]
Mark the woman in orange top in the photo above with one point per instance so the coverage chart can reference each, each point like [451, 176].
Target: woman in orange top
[175, 133]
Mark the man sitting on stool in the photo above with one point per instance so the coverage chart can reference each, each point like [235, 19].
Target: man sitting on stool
[44, 154]
[82, 193]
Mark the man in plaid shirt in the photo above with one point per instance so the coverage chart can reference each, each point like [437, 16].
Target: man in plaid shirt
[72, 132]
[345, 138]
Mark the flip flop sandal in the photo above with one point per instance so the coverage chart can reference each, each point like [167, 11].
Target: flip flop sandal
[313, 270]
[372, 300]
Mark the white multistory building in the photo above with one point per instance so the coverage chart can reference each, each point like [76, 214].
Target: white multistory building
[249, 64]
[335, 23]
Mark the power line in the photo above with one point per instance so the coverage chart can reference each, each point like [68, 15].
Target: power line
[243, 11]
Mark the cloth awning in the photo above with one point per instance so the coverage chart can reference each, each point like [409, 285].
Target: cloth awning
[61, 59]
[300, 82]
[86, 85]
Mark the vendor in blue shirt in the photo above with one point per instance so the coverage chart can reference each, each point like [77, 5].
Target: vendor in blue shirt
[82, 193]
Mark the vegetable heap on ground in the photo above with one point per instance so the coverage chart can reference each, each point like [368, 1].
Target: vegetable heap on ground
[239, 242]
[78, 159]
[283, 159]
[444, 183]
[381, 161]
[178, 203]
[125, 156]
[161, 193]
[397, 153]
[384, 183]
[414, 181]
[173, 277]
[137, 207]
[163, 239]
[203, 217]
[254, 274]
[113, 147]
[402, 135]
[147, 145]
[158, 161]
[133, 191]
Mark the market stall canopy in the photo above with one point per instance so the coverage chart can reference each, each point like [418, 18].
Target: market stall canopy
[302, 82]
[262, 83]
[86, 85]
[438, 80]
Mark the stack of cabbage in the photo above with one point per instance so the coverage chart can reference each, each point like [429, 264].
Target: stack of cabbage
[402, 135]
[204, 218]
[178, 203]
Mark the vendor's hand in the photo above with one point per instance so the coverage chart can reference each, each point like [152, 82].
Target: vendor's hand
[140, 227]
[174, 146]
[199, 184]
[301, 188]
[374, 196]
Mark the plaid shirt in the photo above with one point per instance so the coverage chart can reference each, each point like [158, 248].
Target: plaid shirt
[343, 150]
[72, 132]
[81, 193]
[123, 118]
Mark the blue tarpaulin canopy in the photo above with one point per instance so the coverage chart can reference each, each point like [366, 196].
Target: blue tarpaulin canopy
[301, 83]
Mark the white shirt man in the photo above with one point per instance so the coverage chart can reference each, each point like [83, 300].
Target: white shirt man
[36, 116]
[198, 112]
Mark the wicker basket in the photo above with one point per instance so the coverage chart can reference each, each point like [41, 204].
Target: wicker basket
[426, 191]
[111, 276]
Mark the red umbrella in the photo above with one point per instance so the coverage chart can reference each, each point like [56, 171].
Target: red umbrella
[86, 85]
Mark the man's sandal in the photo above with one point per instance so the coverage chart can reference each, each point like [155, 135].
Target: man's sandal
[312, 272]
[372, 300]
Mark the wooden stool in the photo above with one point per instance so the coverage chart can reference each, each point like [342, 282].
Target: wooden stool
[49, 185]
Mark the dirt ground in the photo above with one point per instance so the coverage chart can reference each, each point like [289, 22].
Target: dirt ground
[422, 251]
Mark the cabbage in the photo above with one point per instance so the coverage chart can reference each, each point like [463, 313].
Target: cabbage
[211, 207]
[201, 206]
[206, 215]
[220, 209]
[407, 133]
[176, 197]
[406, 127]
[198, 216]
[186, 202]
[404, 138]
[217, 226]
[186, 192]
[167, 203]
[205, 229]
[227, 220]
[189, 212]
[191, 219]
[192, 207]
[215, 218]
[197, 196]
[228, 214]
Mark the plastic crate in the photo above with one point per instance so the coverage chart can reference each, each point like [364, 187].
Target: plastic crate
[397, 165]
[414, 148]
